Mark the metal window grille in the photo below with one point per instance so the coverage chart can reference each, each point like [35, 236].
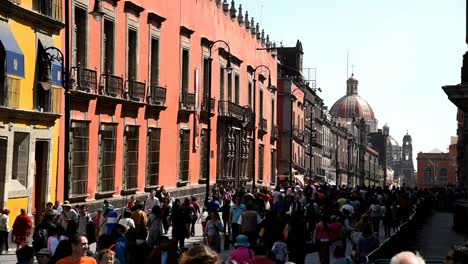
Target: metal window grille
[184, 155]
[260, 161]
[20, 158]
[107, 156]
[204, 155]
[443, 176]
[153, 156]
[131, 157]
[79, 158]
[427, 175]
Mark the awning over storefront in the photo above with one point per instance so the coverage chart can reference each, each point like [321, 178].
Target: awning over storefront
[14, 59]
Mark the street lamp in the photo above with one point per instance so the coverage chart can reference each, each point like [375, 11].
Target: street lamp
[50, 55]
[98, 11]
[254, 109]
[229, 69]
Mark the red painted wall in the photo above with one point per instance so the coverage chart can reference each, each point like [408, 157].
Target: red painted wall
[436, 161]
[207, 20]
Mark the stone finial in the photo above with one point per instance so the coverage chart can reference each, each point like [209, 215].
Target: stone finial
[240, 17]
[225, 7]
[233, 10]
[268, 43]
[262, 38]
[252, 26]
[257, 30]
[247, 22]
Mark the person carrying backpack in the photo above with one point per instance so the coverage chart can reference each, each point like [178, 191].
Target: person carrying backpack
[42, 231]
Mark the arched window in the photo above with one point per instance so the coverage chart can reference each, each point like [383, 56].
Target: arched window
[443, 176]
[427, 175]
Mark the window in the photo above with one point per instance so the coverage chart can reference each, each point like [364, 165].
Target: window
[261, 103]
[250, 93]
[109, 46]
[427, 175]
[273, 166]
[206, 76]
[50, 8]
[107, 157]
[20, 158]
[154, 61]
[132, 54]
[221, 84]
[443, 176]
[204, 155]
[184, 155]
[9, 91]
[230, 97]
[237, 89]
[154, 145]
[273, 106]
[131, 157]
[185, 70]
[79, 158]
[80, 37]
[260, 161]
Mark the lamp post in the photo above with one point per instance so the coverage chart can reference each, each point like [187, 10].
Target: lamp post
[52, 54]
[208, 139]
[254, 110]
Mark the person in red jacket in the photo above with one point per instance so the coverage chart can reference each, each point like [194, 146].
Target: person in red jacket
[22, 229]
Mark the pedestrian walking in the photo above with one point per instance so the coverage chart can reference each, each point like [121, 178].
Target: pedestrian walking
[22, 229]
[4, 230]
[213, 228]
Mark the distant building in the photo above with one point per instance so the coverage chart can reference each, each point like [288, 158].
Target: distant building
[437, 169]
[407, 167]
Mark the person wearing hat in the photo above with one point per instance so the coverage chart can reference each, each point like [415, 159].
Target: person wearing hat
[67, 215]
[242, 253]
[43, 256]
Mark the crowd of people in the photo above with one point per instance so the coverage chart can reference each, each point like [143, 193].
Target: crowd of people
[262, 226]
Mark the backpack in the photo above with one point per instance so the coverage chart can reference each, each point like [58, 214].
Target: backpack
[40, 238]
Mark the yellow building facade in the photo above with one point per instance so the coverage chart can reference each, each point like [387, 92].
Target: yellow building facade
[30, 103]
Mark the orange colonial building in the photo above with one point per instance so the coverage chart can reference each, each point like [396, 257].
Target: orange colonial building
[438, 169]
[139, 97]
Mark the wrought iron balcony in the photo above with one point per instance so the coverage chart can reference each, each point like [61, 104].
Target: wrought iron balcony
[204, 107]
[230, 109]
[50, 8]
[84, 79]
[135, 90]
[274, 132]
[111, 85]
[298, 135]
[157, 95]
[187, 102]
[263, 125]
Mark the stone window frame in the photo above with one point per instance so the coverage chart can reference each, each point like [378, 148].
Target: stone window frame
[132, 23]
[81, 4]
[154, 34]
[110, 16]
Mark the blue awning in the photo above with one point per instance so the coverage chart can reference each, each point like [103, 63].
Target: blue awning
[56, 70]
[14, 55]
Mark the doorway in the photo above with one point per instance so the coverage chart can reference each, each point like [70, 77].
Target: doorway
[3, 160]
[40, 178]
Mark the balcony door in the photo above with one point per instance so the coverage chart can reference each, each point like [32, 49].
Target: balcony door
[40, 177]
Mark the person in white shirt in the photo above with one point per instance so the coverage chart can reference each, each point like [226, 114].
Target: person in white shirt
[151, 201]
[4, 229]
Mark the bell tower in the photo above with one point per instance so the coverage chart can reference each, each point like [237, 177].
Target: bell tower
[407, 166]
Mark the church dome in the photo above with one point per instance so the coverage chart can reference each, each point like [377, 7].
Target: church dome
[352, 105]
[392, 141]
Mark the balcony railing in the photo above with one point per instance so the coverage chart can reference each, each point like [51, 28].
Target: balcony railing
[111, 85]
[274, 132]
[263, 125]
[84, 79]
[48, 101]
[135, 90]
[157, 95]
[205, 105]
[230, 109]
[9, 93]
[50, 8]
[187, 101]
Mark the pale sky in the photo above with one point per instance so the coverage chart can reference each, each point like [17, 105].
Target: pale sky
[404, 51]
